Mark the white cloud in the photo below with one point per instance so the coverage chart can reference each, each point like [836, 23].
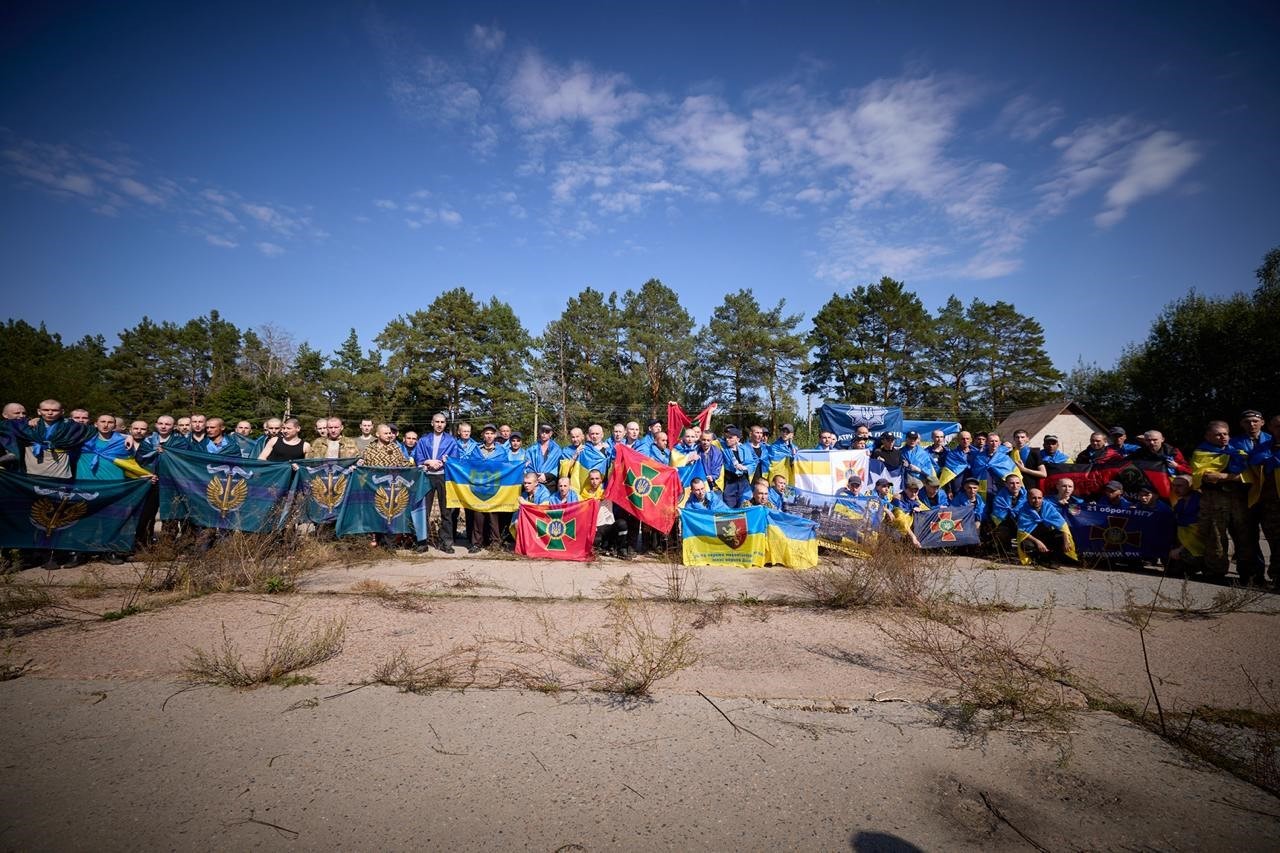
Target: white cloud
[1155, 165]
[385, 204]
[449, 217]
[271, 250]
[1130, 158]
[220, 242]
[1026, 119]
[706, 136]
[486, 39]
[540, 94]
[140, 191]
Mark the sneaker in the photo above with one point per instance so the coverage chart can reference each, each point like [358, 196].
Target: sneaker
[420, 548]
[474, 549]
[447, 548]
[114, 560]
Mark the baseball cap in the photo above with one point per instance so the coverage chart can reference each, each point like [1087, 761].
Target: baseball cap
[545, 428]
[489, 428]
[931, 480]
[912, 434]
[1114, 486]
[515, 433]
[734, 431]
[913, 483]
[787, 428]
[1117, 430]
[1049, 438]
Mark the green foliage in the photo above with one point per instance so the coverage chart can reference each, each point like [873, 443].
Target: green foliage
[658, 334]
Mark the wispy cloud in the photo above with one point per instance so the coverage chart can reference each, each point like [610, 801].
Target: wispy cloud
[271, 250]
[115, 185]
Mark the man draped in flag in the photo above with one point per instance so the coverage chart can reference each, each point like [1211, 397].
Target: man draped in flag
[1221, 473]
[1043, 534]
[991, 465]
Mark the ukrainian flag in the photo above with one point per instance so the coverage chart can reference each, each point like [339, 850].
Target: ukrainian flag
[578, 470]
[483, 485]
[791, 541]
[725, 539]
[955, 463]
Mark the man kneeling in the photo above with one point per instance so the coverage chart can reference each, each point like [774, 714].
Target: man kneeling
[1042, 531]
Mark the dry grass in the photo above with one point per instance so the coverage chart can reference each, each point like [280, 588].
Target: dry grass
[639, 644]
[999, 674]
[1183, 604]
[293, 644]
[891, 574]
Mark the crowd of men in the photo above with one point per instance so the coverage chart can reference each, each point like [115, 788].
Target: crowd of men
[1220, 499]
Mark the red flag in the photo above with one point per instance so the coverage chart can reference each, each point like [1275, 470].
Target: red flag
[677, 420]
[564, 532]
[644, 487]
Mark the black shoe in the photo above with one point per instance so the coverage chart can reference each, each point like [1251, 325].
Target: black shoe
[447, 548]
[114, 560]
[474, 549]
[75, 559]
[420, 548]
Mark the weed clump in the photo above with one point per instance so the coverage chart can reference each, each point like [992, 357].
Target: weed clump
[292, 645]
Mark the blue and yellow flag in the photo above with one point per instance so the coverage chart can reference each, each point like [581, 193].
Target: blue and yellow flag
[380, 500]
[483, 485]
[226, 492]
[68, 515]
[725, 539]
[954, 463]
[322, 484]
[791, 541]
[589, 459]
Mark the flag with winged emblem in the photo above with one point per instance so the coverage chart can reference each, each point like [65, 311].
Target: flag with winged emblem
[322, 483]
[1121, 533]
[646, 488]
[378, 500]
[41, 512]
[226, 492]
[564, 532]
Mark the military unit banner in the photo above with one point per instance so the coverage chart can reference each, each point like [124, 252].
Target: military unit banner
[66, 515]
[725, 539]
[224, 492]
[1126, 533]
[322, 483]
[843, 420]
[379, 500]
[946, 527]
[647, 489]
[847, 523]
[565, 532]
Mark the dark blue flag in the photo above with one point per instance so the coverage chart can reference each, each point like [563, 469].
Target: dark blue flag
[380, 500]
[226, 492]
[843, 420]
[322, 484]
[946, 527]
[1127, 533]
[69, 515]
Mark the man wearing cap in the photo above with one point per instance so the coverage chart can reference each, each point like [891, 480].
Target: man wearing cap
[544, 457]
[884, 493]
[429, 455]
[851, 488]
[1113, 496]
[1186, 558]
[1154, 449]
[1051, 453]
[968, 496]
[1250, 438]
[904, 508]
[915, 459]
[932, 495]
[784, 448]
[887, 454]
[740, 466]
[485, 527]
[1116, 440]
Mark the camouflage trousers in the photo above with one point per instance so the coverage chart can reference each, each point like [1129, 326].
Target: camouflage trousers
[1225, 514]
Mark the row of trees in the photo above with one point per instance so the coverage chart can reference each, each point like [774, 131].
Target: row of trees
[606, 356]
[1204, 358]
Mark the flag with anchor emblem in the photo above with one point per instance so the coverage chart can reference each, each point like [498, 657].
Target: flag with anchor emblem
[226, 492]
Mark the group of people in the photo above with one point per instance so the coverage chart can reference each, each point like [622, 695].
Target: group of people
[1221, 498]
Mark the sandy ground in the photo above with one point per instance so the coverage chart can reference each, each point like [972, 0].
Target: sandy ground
[91, 760]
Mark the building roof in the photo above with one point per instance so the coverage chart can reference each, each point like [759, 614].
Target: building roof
[1035, 420]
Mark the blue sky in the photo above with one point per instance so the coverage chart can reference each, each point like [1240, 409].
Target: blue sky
[326, 166]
